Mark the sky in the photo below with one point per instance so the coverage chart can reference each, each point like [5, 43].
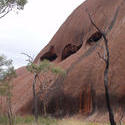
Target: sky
[29, 30]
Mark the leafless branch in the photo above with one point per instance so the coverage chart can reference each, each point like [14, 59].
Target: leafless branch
[3, 10]
[92, 22]
[5, 13]
[106, 71]
[39, 79]
[122, 115]
[30, 59]
[113, 20]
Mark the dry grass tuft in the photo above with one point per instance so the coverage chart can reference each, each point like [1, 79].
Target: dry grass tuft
[75, 121]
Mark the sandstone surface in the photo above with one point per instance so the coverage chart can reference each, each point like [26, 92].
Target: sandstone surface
[75, 48]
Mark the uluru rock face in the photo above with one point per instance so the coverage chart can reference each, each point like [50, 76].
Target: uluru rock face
[75, 48]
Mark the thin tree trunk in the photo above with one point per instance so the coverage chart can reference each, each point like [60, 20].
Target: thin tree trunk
[9, 113]
[45, 114]
[9, 106]
[111, 115]
[35, 99]
[106, 71]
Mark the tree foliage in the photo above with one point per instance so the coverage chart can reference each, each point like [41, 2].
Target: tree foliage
[39, 69]
[7, 73]
[44, 66]
[8, 5]
[6, 69]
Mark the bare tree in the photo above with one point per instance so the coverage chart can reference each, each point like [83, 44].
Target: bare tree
[106, 59]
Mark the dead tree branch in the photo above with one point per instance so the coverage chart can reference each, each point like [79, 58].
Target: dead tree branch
[106, 71]
[30, 58]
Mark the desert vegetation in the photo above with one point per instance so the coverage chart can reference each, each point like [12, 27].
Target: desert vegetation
[37, 70]
[29, 120]
[72, 80]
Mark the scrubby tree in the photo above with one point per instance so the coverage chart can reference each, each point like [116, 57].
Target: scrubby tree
[7, 73]
[8, 5]
[37, 70]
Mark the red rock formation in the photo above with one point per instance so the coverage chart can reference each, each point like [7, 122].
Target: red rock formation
[74, 47]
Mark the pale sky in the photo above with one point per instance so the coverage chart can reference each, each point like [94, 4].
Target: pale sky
[31, 29]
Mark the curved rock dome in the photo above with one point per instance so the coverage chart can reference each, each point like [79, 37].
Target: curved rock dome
[75, 48]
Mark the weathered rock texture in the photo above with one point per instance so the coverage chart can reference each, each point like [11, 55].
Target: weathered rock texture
[75, 48]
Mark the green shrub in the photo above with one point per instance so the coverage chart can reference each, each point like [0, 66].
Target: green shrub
[47, 121]
[29, 120]
[24, 120]
[3, 120]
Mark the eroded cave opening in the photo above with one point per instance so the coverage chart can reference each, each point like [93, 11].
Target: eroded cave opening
[94, 38]
[49, 56]
[69, 50]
